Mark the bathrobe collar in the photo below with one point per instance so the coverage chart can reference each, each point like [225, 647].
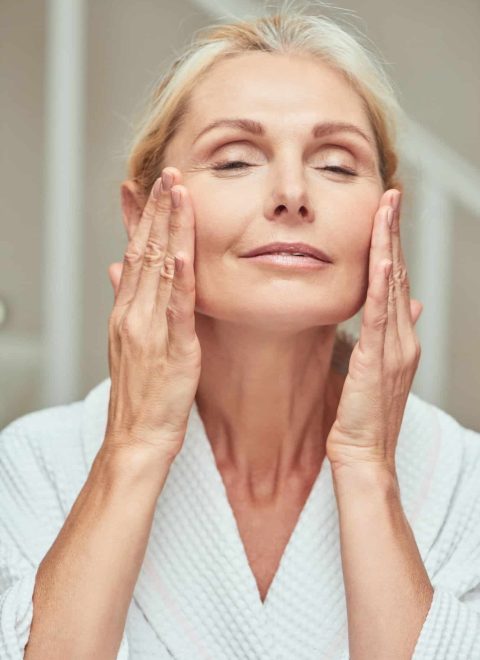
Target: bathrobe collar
[196, 587]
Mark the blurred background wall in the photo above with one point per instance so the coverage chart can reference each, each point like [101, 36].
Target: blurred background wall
[59, 234]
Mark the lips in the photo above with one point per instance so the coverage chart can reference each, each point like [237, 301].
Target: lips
[291, 248]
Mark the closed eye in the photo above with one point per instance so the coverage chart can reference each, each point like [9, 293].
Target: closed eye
[337, 168]
[230, 165]
[240, 164]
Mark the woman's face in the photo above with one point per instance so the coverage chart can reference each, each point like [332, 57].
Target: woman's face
[279, 191]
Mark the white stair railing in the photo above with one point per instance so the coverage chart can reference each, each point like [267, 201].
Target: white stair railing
[444, 181]
[64, 200]
[432, 286]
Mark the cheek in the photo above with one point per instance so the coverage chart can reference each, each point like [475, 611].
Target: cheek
[352, 230]
[353, 245]
[221, 216]
[366, 210]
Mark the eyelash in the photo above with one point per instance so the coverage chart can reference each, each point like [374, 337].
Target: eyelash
[227, 165]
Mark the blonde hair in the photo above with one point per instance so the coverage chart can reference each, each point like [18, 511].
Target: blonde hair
[286, 31]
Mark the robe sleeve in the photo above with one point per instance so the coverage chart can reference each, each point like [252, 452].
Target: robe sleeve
[31, 516]
[452, 626]
[451, 629]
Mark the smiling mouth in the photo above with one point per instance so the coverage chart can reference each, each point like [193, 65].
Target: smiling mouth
[289, 260]
[297, 248]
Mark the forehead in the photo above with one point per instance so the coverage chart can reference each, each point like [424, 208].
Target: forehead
[280, 89]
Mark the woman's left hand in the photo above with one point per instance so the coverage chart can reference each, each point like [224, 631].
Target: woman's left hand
[384, 360]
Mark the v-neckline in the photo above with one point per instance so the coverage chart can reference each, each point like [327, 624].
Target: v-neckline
[196, 587]
[319, 484]
[311, 516]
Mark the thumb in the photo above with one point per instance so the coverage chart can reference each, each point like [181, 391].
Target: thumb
[416, 308]
[115, 273]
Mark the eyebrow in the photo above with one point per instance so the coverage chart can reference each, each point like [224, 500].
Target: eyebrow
[319, 130]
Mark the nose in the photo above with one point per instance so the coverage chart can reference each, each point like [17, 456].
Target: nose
[289, 200]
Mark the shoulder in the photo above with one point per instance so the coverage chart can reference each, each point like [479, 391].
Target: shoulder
[44, 451]
[43, 435]
[440, 471]
[433, 443]
[47, 425]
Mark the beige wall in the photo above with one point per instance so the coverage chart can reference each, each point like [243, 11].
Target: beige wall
[22, 48]
[431, 47]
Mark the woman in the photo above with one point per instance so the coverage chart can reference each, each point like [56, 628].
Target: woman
[251, 482]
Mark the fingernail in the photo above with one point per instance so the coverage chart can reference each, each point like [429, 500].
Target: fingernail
[395, 201]
[389, 215]
[167, 180]
[178, 264]
[157, 188]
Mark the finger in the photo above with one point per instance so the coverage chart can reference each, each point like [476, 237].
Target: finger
[157, 254]
[180, 305]
[133, 257]
[416, 309]
[400, 273]
[375, 315]
[392, 339]
[377, 246]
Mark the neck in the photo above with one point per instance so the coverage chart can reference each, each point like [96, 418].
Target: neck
[267, 401]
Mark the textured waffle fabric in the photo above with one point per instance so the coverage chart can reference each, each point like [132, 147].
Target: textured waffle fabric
[196, 596]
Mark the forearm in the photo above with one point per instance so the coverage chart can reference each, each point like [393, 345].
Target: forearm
[387, 588]
[85, 582]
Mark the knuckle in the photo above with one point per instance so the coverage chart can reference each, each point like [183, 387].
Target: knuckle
[133, 253]
[114, 320]
[193, 353]
[175, 314]
[400, 274]
[167, 271]
[187, 354]
[185, 284]
[129, 329]
[154, 252]
[380, 323]
[391, 367]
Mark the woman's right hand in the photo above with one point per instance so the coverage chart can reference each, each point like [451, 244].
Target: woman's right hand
[154, 352]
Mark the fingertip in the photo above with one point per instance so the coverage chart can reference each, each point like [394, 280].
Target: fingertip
[386, 197]
[185, 199]
[157, 188]
[417, 309]
[180, 188]
[175, 173]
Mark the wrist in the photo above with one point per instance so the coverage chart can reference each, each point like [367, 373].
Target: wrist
[146, 468]
[357, 480]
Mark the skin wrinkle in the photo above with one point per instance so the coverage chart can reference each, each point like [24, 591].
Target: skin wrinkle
[267, 394]
[360, 155]
[320, 130]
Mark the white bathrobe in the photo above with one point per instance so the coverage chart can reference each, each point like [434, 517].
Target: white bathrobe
[196, 596]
